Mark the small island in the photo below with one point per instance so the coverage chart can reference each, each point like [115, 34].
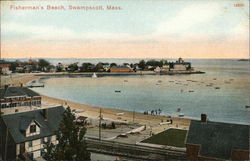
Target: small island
[150, 67]
[243, 59]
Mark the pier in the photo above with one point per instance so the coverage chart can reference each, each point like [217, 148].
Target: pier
[32, 86]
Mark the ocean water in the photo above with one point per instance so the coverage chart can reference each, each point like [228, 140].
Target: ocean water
[193, 94]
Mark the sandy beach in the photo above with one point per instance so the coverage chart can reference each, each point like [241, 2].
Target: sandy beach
[152, 122]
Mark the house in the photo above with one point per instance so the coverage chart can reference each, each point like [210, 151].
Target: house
[24, 134]
[157, 69]
[207, 140]
[51, 68]
[82, 120]
[120, 69]
[106, 67]
[11, 96]
[20, 69]
[28, 68]
[165, 68]
[5, 69]
[180, 66]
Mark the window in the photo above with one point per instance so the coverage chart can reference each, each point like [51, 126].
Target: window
[32, 128]
[42, 141]
[30, 143]
[49, 139]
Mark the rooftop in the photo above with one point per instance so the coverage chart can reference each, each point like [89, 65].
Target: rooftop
[217, 139]
[121, 67]
[16, 91]
[18, 122]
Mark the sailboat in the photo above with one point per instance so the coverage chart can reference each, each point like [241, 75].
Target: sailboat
[94, 75]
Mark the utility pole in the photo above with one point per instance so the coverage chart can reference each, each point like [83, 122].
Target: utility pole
[100, 119]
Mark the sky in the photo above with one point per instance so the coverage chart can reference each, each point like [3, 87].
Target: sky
[139, 29]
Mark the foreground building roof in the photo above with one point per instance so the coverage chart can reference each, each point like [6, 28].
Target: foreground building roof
[218, 140]
[18, 122]
[16, 91]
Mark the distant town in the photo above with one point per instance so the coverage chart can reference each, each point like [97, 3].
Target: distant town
[42, 65]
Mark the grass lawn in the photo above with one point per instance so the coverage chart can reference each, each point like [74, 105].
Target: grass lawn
[170, 137]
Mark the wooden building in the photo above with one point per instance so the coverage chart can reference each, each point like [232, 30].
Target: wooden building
[121, 69]
[218, 141]
[18, 96]
[5, 69]
[24, 134]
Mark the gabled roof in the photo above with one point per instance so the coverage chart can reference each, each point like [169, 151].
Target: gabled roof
[217, 140]
[17, 91]
[18, 122]
[120, 67]
[25, 122]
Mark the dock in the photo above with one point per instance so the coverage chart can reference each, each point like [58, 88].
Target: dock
[35, 86]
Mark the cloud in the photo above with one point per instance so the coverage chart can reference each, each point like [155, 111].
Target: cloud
[188, 17]
[52, 33]
[31, 30]
[240, 30]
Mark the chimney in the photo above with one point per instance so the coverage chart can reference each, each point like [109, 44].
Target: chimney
[45, 114]
[203, 117]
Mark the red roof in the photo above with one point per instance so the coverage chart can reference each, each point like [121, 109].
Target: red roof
[5, 65]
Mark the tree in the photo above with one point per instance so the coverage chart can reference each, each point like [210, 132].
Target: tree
[142, 64]
[73, 67]
[87, 67]
[99, 67]
[71, 143]
[59, 67]
[113, 65]
[43, 64]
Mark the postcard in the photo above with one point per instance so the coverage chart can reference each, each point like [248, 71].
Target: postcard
[124, 80]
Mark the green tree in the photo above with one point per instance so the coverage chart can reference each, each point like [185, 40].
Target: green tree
[113, 65]
[142, 64]
[43, 64]
[99, 67]
[73, 67]
[87, 67]
[71, 143]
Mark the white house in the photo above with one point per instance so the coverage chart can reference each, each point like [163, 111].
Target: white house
[5, 69]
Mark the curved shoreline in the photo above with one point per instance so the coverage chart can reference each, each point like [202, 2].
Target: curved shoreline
[93, 111]
[119, 73]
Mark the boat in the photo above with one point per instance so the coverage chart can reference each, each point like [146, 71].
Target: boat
[247, 106]
[190, 91]
[120, 114]
[125, 80]
[117, 91]
[94, 75]
[77, 111]
[165, 123]
[178, 109]
[217, 87]
[181, 115]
